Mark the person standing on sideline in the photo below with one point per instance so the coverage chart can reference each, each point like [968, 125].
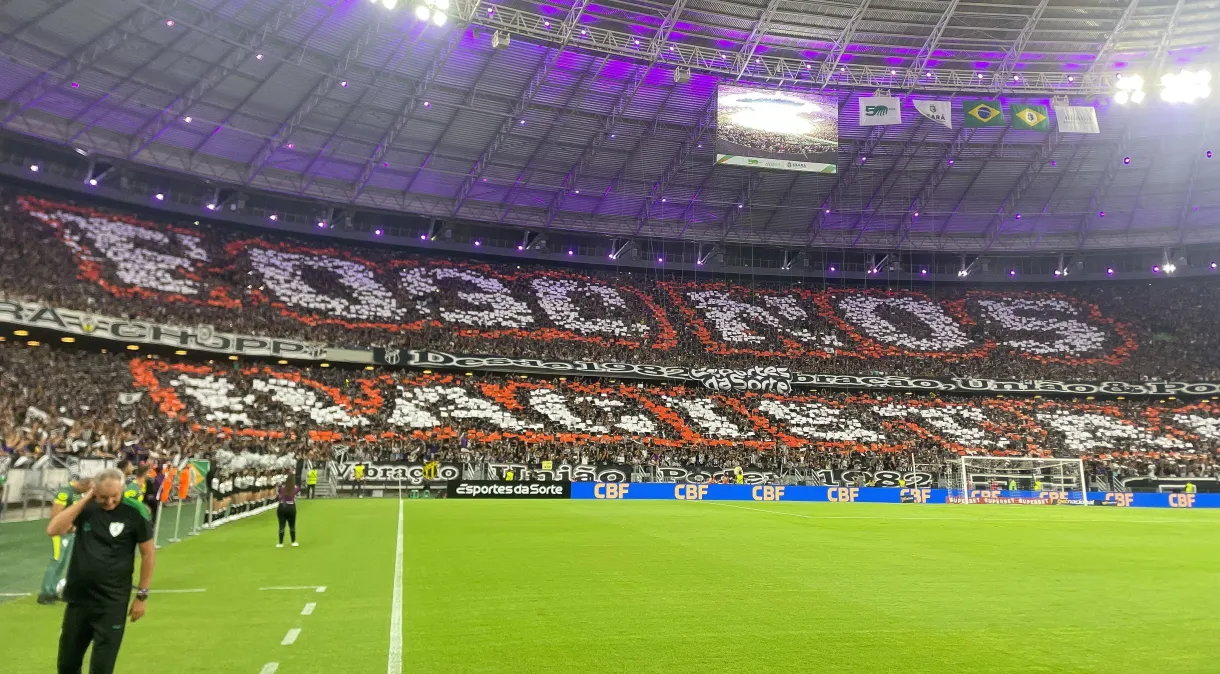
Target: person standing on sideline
[286, 512]
[311, 482]
[132, 488]
[61, 546]
[109, 530]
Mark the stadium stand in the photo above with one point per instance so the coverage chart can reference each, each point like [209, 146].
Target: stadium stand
[274, 286]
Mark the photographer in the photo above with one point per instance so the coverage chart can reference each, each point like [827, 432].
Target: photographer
[108, 528]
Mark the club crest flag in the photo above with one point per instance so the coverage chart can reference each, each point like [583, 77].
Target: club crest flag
[1077, 119]
[940, 112]
[1030, 117]
[982, 113]
[880, 111]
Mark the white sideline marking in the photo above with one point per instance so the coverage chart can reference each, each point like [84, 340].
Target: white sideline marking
[321, 588]
[308, 610]
[269, 668]
[951, 517]
[197, 589]
[394, 666]
[14, 594]
[291, 636]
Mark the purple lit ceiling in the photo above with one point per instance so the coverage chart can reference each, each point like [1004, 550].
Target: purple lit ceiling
[576, 126]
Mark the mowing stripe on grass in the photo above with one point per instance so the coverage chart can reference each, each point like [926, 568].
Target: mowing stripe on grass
[269, 668]
[394, 665]
[190, 591]
[308, 610]
[291, 636]
[319, 588]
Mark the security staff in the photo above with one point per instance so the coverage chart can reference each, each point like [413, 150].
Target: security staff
[311, 482]
[1012, 484]
[1037, 485]
[61, 546]
[132, 488]
[1191, 488]
[508, 475]
[109, 529]
[358, 476]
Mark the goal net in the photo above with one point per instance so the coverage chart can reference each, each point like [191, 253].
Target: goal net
[1018, 480]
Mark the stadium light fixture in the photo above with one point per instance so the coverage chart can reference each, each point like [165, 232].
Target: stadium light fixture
[832, 269]
[93, 182]
[1109, 271]
[1012, 272]
[1156, 269]
[159, 196]
[211, 207]
[1130, 89]
[258, 56]
[188, 119]
[169, 22]
[273, 217]
[1170, 268]
[478, 243]
[1126, 160]
[1058, 272]
[34, 168]
[923, 272]
[1213, 265]
[1186, 86]
[569, 252]
[377, 232]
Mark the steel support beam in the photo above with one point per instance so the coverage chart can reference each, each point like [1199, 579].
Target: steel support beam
[930, 184]
[1187, 206]
[843, 179]
[1103, 186]
[312, 99]
[737, 209]
[68, 67]
[34, 20]
[252, 40]
[1162, 47]
[408, 109]
[920, 63]
[1008, 66]
[1107, 47]
[827, 68]
[565, 31]
[1008, 207]
[616, 112]
[675, 165]
[649, 132]
[742, 60]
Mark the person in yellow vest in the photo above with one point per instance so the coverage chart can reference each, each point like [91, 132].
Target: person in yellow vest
[358, 476]
[739, 476]
[311, 482]
[508, 475]
[902, 483]
[1037, 485]
[1191, 488]
[1012, 484]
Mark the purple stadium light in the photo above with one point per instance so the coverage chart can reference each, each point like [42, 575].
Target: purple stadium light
[169, 22]
[377, 232]
[258, 56]
[210, 207]
[1156, 269]
[569, 252]
[1209, 154]
[343, 84]
[1058, 273]
[663, 199]
[1213, 265]
[1054, 163]
[427, 104]
[423, 237]
[923, 272]
[1071, 78]
[34, 168]
[832, 269]
[1012, 272]
[1018, 216]
[188, 119]
[520, 247]
[274, 217]
[828, 211]
[321, 224]
[93, 182]
[548, 25]
[290, 146]
[950, 162]
[699, 263]
[660, 259]
[1126, 160]
[477, 242]
[1109, 271]
[1101, 214]
[76, 85]
[159, 197]
[1016, 78]
[915, 214]
[584, 32]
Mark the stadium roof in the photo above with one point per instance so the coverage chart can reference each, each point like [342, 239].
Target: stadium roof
[579, 123]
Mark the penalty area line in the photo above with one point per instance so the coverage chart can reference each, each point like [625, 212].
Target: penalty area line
[269, 668]
[291, 637]
[308, 610]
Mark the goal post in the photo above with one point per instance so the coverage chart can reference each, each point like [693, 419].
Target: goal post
[1019, 480]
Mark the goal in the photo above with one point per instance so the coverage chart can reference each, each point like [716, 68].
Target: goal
[1018, 480]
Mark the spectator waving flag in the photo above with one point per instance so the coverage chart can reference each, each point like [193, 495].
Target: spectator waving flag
[982, 113]
[880, 110]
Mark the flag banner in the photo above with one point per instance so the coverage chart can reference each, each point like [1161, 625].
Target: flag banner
[880, 110]
[130, 398]
[940, 112]
[1030, 117]
[982, 113]
[1077, 119]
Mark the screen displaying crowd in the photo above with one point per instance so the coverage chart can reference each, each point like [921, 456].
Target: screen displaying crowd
[103, 261]
[75, 401]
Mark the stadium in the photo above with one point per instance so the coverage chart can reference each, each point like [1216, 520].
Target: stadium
[329, 327]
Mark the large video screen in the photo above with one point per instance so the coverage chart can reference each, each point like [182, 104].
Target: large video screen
[772, 129]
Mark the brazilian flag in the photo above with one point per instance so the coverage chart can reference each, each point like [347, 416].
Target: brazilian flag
[982, 113]
[1029, 117]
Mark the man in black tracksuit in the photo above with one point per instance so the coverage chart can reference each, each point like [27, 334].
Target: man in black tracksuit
[109, 529]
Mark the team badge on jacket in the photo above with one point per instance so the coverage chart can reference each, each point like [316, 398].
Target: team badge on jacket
[116, 528]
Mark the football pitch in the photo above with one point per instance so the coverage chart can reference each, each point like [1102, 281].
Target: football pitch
[665, 586]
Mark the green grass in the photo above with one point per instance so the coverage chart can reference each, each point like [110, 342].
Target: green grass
[668, 586]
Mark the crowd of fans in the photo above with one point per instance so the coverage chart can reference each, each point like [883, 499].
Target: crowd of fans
[78, 402]
[106, 262]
